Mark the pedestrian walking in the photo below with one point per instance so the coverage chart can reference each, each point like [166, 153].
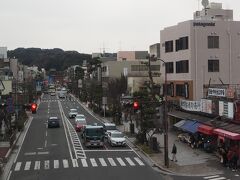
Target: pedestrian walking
[174, 152]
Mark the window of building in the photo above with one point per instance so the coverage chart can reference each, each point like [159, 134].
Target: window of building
[182, 43]
[104, 68]
[170, 89]
[169, 46]
[213, 42]
[182, 90]
[144, 67]
[155, 67]
[213, 65]
[169, 67]
[182, 66]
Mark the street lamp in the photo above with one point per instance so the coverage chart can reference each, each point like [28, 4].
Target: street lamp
[166, 159]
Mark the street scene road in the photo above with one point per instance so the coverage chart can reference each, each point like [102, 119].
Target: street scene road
[58, 153]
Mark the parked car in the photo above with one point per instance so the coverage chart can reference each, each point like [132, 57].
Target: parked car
[109, 127]
[116, 138]
[53, 122]
[80, 122]
[72, 113]
[184, 137]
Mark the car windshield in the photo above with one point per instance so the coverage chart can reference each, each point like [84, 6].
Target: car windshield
[80, 116]
[110, 128]
[73, 110]
[117, 135]
[80, 119]
[94, 132]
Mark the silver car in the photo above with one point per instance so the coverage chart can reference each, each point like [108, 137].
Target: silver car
[72, 113]
[116, 138]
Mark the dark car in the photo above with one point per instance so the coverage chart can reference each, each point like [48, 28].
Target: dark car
[53, 122]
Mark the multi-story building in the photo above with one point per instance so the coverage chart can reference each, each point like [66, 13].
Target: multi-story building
[131, 55]
[201, 52]
[136, 72]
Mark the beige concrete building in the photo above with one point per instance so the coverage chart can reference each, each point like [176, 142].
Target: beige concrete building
[131, 55]
[136, 72]
[202, 51]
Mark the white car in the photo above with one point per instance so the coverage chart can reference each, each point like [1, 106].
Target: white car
[109, 127]
[72, 113]
[116, 138]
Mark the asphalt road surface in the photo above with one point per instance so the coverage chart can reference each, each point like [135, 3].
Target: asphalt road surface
[58, 153]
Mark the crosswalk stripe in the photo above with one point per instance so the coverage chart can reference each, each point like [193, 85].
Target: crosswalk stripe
[75, 163]
[37, 165]
[121, 162]
[111, 161]
[46, 164]
[65, 163]
[130, 161]
[84, 162]
[139, 161]
[93, 161]
[56, 164]
[18, 166]
[102, 161]
[27, 165]
[210, 177]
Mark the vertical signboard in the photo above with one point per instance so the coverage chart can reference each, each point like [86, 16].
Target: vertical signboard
[206, 106]
[221, 109]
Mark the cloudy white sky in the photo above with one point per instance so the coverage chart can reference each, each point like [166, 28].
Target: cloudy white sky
[89, 25]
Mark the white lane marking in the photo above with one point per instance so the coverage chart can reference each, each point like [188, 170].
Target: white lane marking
[37, 165]
[54, 144]
[9, 175]
[56, 164]
[84, 162]
[236, 175]
[139, 161]
[45, 143]
[130, 161]
[27, 165]
[39, 148]
[109, 150]
[30, 120]
[18, 166]
[111, 161]
[93, 161]
[46, 133]
[210, 177]
[30, 153]
[65, 163]
[43, 153]
[121, 162]
[46, 164]
[218, 178]
[102, 161]
[75, 163]
[63, 121]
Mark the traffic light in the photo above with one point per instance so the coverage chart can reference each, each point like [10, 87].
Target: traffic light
[34, 108]
[135, 106]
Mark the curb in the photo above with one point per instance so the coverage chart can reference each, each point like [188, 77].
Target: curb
[15, 141]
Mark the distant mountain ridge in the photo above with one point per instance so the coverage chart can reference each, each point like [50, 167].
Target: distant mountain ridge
[48, 58]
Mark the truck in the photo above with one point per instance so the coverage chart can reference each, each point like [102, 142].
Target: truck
[93, 136]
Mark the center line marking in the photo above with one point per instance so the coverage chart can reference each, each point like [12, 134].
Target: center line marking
[46, 133]
[45, 144]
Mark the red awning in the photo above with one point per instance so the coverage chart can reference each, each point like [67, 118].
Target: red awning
[228, 134]
[205, 129]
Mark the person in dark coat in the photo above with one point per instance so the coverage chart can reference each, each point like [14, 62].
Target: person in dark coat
[174, 152]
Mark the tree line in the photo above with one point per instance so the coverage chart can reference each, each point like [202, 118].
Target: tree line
[48, 58]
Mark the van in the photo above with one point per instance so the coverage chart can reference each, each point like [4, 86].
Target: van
[93, 136]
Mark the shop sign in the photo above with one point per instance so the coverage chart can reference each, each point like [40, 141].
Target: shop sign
[217, 92]
[190, 105]
[226, 109]
[206, 105]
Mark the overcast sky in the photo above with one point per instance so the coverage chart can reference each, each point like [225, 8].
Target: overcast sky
[89, 25]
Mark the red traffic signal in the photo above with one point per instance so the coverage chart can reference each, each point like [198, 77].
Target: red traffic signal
[33, 107]
[135, 105]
